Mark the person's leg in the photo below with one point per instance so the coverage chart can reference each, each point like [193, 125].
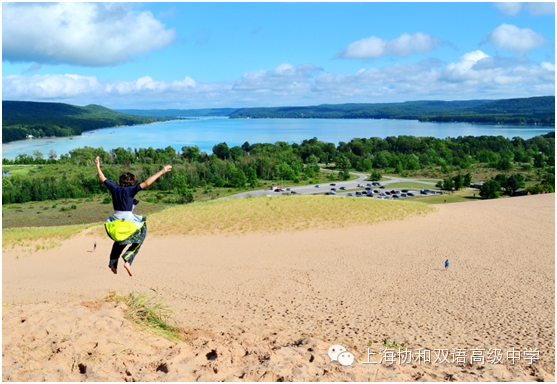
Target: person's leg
[117, 249]
[129, 256]
[137, 239]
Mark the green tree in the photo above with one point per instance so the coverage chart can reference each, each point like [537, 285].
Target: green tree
[448, 184]
[38, 154]
[252, 178]
[375, 176]
[514, 182]
[467, 180]
[191, 153]
[490, 189]
[458, 182]
[504, 164]
[222, 151]
[238, 179]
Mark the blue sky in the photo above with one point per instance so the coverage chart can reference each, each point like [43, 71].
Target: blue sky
[201, 55]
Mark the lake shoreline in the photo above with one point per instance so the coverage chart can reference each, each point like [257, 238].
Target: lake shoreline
[205, 133]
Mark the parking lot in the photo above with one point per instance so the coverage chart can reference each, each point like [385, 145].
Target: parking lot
[359, 187]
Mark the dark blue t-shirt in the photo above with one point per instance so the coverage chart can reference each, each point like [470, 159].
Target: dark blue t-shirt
[122, 197]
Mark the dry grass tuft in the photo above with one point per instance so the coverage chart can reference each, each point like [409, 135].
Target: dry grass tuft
[147, 311]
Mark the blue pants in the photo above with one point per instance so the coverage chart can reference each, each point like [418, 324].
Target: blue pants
[136, 240]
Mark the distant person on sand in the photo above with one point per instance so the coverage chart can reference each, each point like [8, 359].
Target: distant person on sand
[94, 246]
[447, 264]
[125, 227]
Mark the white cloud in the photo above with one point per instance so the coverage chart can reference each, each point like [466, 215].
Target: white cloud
[511, 38]
[509, 8]
[535, 9]
[374, 47]
[283, 78]
[87, 34]
[475, 75]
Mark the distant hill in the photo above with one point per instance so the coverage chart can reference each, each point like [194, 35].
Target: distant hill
[540, 110]
[22, 118]
[180, 112]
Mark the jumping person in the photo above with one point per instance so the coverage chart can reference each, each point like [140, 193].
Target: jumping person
[125, 227]
[447, 264]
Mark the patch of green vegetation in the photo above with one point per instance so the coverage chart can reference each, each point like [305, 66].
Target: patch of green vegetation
[19, 215]
[409, 185]
[148, 312]
[454, 197]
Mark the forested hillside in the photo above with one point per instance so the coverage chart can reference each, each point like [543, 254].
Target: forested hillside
[534, 110]
[22, 118]
[180, 112]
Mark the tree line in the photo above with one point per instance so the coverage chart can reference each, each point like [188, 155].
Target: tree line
[72, 174]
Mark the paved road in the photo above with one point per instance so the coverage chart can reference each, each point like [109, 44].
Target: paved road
[350, 186]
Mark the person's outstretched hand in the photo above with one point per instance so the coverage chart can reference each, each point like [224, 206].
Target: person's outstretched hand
[97, 160]
[167, 168]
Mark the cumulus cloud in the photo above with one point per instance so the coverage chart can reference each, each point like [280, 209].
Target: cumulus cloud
[86, 34]
[511, 38]
[474, 75]
[284, 77]
[535, 9]
[374, 47]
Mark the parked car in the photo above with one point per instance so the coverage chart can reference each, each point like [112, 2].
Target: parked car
[410, 194]
[368, 185]
[332, 193]
[393, 191]
[397, 192]
[350, 194]
[343, 188]
[382, 187]
[358, 193]
[368, 188]
[360, 186]
[278, 190]
[403, 195]
[333, 184]
[293, 192]
[404, 190]
[375, 191]
[395, 196]
[333, 189]
[317, 186]
[383, 194]
[370, 195]
[387, 193]
[423, 192]
[288, 189]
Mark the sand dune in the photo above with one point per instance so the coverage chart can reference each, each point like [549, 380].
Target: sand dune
[268, 306]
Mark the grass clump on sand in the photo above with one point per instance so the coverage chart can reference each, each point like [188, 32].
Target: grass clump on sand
[147, 311]
[278, 213]
[40, 237]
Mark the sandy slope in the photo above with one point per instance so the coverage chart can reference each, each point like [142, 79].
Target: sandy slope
[268, 306]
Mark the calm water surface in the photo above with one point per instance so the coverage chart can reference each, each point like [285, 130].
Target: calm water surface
[207, 132]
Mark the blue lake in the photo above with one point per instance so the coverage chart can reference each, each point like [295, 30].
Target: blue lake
[206, 132]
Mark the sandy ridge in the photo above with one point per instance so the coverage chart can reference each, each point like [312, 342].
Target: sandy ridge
[258, 304]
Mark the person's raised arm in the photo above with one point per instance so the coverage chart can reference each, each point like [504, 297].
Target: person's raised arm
[98, 165]
[152, 179]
